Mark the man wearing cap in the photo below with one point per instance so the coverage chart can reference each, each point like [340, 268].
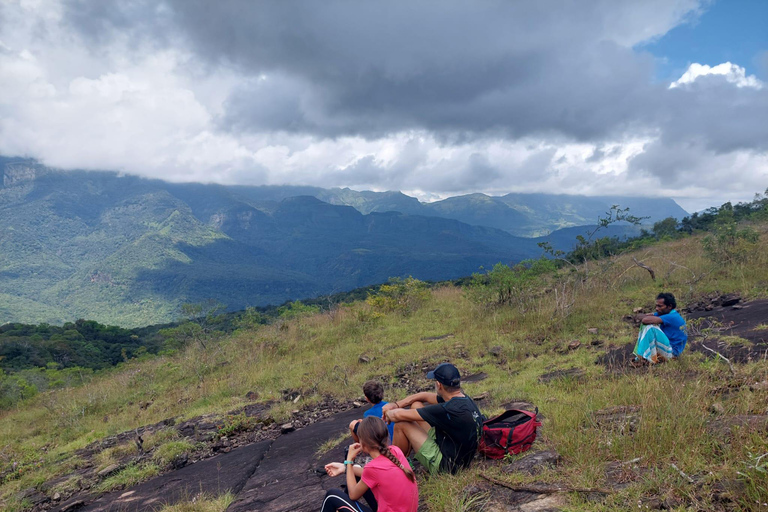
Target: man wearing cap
[442, 428]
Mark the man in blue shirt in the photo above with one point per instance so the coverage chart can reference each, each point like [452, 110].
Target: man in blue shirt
[672, 326]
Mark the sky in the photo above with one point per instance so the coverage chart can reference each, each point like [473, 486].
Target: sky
[437, 98]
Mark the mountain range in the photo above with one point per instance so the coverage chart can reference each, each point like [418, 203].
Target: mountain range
[128, 250]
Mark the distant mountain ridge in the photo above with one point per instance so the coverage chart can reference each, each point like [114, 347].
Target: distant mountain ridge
[526, 215]
[128, 250]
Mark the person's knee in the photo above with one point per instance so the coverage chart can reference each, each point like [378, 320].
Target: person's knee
[353, 424]
[417, 405]
[334, 492]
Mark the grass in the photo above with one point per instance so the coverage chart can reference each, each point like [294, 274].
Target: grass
[201, 503]
[318, 355]
[333, 443]
[130, 475]
[170, 451]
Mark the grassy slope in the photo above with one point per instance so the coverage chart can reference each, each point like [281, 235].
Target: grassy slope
[319, 354]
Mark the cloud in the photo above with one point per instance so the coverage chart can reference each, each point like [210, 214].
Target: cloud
[440, 97]
[732, 73]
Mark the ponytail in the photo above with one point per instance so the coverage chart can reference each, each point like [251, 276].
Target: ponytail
[385, 451]
[373, 433]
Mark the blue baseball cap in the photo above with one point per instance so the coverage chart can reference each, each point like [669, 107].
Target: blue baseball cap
[446, 374]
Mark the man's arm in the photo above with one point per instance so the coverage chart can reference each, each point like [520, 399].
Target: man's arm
[423, 397]
[651, 320]
[395, 415]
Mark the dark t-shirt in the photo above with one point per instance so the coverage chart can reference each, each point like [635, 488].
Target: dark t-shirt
[456, 423]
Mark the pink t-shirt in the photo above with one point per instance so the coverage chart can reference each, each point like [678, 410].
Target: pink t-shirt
[391, 487]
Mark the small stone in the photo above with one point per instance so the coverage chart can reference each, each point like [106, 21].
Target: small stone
[69, 507]
[481, 396]
[295, 412]
[737, 306]
[109, 470]
[357, 404]
[574, 345]
[296, 400]
[252, 396]
[364, 359]
[57, 496]
[287, 427]
[717, 408]
[637, 310]
[495, 351]
[593, 330]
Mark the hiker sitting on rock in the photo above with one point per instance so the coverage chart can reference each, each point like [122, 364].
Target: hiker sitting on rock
[662, 335]
[374, 394]
[442, 428]
[387, 482]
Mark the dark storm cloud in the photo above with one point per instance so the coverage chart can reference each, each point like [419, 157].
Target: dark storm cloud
[456, 69]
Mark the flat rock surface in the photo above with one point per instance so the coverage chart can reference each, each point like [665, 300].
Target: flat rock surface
[286, 479]
[494, 498]
[214, 476]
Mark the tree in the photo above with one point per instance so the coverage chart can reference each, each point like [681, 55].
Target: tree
[199, 322]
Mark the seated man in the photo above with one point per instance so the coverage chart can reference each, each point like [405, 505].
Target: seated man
[442, 428]
[663, 333]
[374, 395]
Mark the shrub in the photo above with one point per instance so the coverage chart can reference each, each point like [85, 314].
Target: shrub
[727, 244]
[399, 295]
[505, 285]
[296, 309]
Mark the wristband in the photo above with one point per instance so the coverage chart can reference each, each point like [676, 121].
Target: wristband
[348, 462]
[397, 405]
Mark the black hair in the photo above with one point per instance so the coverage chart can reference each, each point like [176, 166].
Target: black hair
[373, 391]
[668, 298]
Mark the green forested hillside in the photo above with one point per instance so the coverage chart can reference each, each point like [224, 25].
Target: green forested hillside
[129, 251]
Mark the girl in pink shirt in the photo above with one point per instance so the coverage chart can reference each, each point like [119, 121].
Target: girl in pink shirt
[388, 476]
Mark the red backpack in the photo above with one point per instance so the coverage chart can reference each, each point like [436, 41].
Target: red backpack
[511, 432]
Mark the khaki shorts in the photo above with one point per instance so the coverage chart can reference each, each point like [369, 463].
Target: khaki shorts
[429, 455]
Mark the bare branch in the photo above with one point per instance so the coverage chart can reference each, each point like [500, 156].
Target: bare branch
[646, 267]
[543, 489]
[682, 474]
[730, 365]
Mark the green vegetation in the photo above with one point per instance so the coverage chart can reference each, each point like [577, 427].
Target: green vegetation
[167, 453]
[130, 475]
[201, 503]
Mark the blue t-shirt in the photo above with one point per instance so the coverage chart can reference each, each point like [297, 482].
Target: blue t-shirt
[673, 325]
[376, 411]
